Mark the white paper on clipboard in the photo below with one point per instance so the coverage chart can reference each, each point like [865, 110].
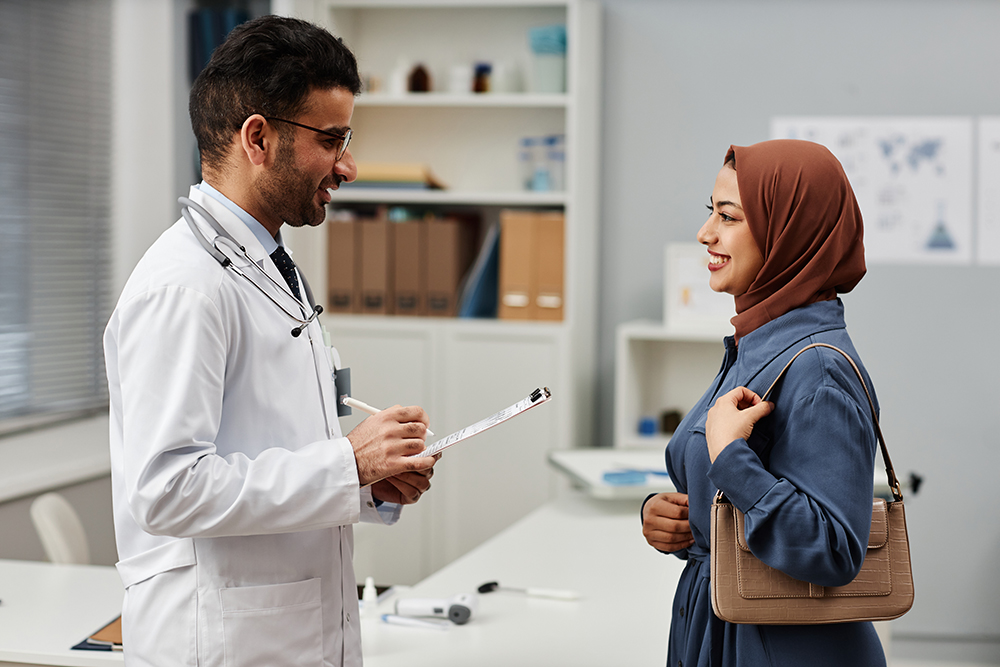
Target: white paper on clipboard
[537, 397]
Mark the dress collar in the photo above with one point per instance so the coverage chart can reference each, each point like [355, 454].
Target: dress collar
[763, 345]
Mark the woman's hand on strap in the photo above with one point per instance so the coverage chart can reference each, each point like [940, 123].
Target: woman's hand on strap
[665, 522]
[733, 417]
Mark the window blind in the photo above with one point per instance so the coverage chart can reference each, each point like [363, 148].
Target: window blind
[55, 155]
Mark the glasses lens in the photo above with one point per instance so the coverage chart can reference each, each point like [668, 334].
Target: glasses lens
[343, 146]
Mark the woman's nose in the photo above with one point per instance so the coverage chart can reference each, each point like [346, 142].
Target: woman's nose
[707, 232]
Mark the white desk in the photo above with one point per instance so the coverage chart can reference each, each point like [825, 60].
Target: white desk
[594, 547]
[46, 609]
[591, 546]
[586, 467]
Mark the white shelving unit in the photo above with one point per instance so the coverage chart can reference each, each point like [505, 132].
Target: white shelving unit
[658, 368]
[463, 370]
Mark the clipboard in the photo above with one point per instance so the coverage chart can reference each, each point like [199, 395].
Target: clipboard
[537, 397]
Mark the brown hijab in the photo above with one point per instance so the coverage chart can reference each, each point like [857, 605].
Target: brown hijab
[806, 222]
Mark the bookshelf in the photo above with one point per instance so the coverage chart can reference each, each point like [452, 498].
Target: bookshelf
[461, 370]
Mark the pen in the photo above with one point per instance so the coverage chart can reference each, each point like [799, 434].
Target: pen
[364, 407]
[395, 619]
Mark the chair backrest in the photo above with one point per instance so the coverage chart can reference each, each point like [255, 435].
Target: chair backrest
[60, 530]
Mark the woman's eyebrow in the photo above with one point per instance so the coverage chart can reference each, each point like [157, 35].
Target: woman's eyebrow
[726, 202]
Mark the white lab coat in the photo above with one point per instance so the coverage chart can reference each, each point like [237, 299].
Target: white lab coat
[234, 493]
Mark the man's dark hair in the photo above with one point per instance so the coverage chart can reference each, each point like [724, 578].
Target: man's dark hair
[267, 66]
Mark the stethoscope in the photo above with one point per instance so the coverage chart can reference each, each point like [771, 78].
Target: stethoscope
[226, 239]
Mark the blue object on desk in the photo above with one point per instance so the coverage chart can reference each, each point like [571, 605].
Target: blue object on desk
[624, 477]
[630, 477]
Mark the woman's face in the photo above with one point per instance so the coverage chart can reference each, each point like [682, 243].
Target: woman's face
[734, 259]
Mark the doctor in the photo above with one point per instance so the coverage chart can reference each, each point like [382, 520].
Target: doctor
[234, 490]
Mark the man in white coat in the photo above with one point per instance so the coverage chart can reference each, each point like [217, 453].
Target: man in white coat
[234, 490]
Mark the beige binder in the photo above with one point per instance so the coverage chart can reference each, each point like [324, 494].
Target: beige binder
[532, 266]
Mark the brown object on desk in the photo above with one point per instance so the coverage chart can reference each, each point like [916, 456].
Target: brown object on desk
[109, 634]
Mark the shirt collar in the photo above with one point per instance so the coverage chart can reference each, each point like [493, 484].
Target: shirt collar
[269, 242]
[763, 345]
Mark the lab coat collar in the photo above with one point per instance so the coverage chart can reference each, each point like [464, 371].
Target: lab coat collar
[230, 222]
[241, 233]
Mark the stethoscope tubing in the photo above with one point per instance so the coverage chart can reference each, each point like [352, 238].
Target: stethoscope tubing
[213, 249]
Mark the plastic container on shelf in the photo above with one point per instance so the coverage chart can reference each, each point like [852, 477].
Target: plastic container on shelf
[528, 158]
[555, 159]
[548, 49]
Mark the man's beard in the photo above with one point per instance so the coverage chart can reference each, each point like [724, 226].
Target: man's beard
[289, 192]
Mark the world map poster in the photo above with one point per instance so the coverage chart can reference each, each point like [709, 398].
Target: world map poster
[912, 177]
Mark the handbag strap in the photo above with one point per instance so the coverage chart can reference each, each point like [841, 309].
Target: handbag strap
[889, 472]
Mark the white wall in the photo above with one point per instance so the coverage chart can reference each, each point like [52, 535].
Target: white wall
[683, 81]
[144, 129]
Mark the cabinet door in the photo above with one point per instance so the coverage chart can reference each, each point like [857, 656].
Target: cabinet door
[390, 367]
[490, 481]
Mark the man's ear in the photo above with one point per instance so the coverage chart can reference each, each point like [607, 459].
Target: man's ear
[258, 139]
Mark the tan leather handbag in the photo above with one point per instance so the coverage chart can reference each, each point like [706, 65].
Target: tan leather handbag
[745, 590]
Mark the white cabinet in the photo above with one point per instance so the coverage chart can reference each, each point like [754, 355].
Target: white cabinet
[463, 370]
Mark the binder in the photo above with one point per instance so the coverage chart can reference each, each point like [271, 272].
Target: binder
[516, 251]
[376, 266]
[343, 267]
[410, 280]
[450, 251]
[548, 277]
[532, 265]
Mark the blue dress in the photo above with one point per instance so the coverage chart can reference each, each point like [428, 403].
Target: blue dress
[803, 480]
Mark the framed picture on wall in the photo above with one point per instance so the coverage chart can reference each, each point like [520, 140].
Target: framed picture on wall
[690, 305]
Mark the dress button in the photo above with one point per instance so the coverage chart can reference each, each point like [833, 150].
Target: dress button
[348, 617]
[681, 612]
[371, 504]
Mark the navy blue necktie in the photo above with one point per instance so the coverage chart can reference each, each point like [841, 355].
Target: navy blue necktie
[287, 268]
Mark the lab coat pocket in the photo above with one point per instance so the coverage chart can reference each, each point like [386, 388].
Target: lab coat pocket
[278, 624]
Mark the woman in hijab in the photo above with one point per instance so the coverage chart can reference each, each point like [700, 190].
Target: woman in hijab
[784, 237]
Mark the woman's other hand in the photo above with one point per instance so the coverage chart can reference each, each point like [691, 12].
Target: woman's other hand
[665, 522]
[733, 417]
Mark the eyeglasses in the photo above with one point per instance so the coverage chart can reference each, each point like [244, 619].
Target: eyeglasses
[345, 138]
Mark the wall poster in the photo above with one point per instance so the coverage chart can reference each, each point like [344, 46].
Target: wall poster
[912, 177]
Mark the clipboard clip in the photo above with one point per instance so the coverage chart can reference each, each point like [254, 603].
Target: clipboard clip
[540, 393]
